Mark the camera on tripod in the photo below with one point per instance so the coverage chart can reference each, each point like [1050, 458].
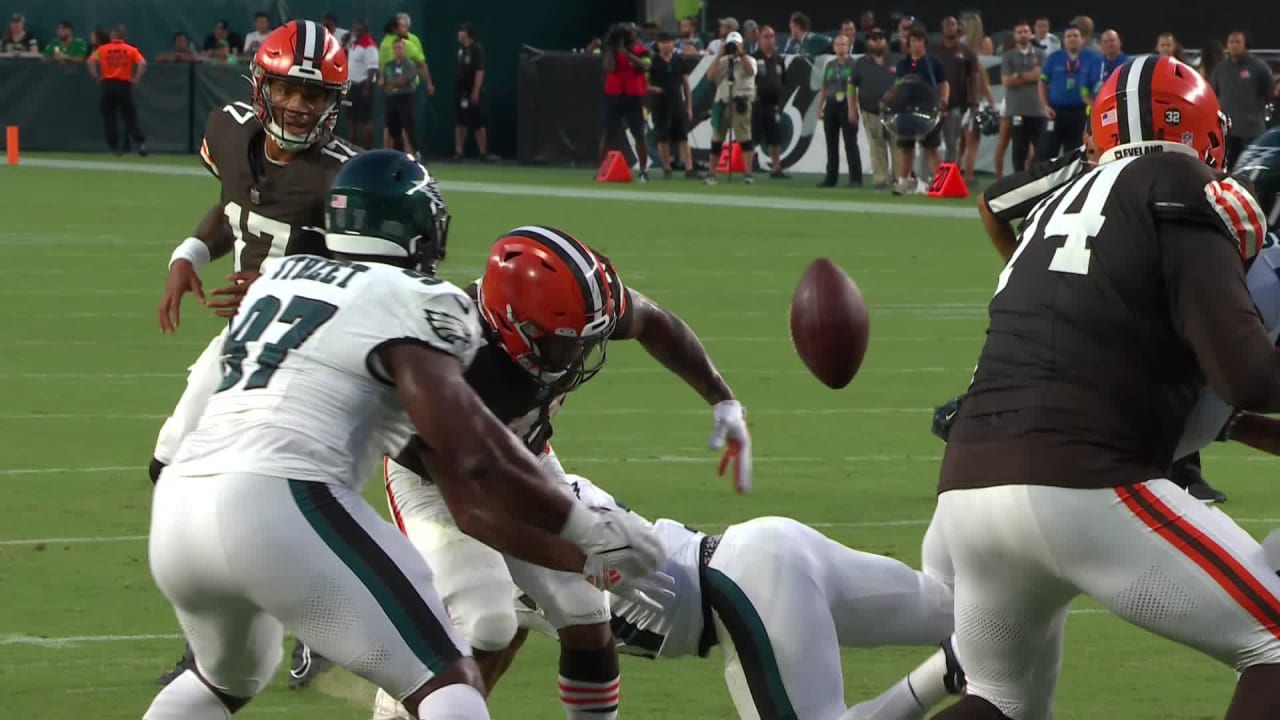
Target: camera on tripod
[620, 36]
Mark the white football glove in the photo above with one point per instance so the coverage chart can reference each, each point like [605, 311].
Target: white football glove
[641, 602]
[730, 433]
[619, 545]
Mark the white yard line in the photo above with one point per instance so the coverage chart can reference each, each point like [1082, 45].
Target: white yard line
[62, 642]
[849, 525]
[76, 540]
[67, 471]
[756, 202]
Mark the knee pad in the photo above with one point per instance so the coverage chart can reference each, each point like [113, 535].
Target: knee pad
[489, 629]
[565, 599]
[472, 580]
[748, 145]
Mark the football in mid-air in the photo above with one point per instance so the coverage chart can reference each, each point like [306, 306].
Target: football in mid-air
[829, 323]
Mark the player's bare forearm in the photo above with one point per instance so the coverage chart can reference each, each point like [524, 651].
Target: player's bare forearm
[674, 344]
[1001, 234]
[502, 531]
[215, 231]
[1257, 431]
[467, 445]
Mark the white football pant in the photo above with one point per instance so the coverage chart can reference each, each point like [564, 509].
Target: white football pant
[242, 557]
[1152, 554]
[785, 598]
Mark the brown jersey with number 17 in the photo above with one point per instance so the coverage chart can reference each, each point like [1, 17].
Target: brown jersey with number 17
[1126, 293]
[273, 209]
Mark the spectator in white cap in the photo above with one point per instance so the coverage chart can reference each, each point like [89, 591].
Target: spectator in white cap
[727, 25]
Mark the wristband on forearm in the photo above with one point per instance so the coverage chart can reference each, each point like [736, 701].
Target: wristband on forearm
[580, 523]
[194, 251]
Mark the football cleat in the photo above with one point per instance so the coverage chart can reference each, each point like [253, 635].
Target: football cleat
[1186, 474]
[306, 666]
[1204, 492]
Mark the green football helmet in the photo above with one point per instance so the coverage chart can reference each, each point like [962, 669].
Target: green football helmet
[383, 204]
[1260, 165]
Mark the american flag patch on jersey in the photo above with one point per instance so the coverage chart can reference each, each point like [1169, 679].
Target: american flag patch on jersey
[1108, 118]
[338, 202]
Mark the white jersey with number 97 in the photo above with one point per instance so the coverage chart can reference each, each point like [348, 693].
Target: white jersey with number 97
[1212, 412]
[303, 393]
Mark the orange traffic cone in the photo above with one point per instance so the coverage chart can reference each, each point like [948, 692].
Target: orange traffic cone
[614, 168]
[731, 160]
[948, 183]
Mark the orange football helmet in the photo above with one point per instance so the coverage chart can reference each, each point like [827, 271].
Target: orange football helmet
[300, 52]
[1157, 102]
[552, 302]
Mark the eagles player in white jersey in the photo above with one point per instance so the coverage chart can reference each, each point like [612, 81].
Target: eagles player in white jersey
[781, 599]
[258, 524]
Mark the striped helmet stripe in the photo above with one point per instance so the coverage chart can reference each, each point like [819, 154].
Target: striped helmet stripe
[577, 257]
[307, 44]
[1133, 100]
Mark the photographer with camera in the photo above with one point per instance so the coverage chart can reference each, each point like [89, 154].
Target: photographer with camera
[734, 73]
[626, 64]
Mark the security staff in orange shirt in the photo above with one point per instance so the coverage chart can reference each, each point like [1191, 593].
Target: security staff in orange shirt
[116, 66]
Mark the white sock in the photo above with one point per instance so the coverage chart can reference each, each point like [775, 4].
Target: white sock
[386, 707]
[454, 702]
[897, 703]
[928, 682]
[186, 698]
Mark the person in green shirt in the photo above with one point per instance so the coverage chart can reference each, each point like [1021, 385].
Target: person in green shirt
[67, 48]
[412, 51]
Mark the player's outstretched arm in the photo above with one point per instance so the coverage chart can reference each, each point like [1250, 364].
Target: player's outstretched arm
[673, 343]
[215, 232]
[495, 488]
[1012, 197]
[1257, 431]
[212, 239]
[1000, 232]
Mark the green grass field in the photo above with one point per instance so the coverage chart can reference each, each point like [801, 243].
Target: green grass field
[86, 379]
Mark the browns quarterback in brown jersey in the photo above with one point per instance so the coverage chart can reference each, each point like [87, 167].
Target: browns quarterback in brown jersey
[274, 158]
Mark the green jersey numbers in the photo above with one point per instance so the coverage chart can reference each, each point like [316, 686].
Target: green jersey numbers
[303, 315]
